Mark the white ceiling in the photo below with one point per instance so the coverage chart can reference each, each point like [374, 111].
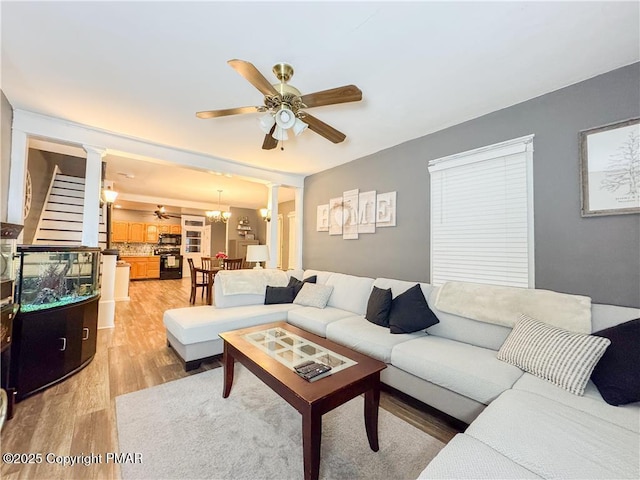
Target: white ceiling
[143, 69]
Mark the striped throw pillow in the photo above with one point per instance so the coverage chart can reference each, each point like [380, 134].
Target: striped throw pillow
[563, 358]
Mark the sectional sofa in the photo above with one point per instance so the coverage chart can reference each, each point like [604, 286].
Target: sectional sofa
[520, 426]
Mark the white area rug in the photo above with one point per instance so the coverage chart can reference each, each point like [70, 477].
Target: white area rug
[186, 430]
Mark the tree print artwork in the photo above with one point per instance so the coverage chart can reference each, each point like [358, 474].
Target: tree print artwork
[610, 161]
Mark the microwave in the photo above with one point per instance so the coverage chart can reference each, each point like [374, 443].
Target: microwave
[170, 239]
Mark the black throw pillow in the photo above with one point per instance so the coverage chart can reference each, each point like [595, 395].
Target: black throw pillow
[410, 312]
[294, 282]
[379, 306]
[279, 295]
[617, 374]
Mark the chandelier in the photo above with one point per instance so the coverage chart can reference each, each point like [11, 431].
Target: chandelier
[218, 215]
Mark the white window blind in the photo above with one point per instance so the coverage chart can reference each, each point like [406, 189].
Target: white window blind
[482, 215]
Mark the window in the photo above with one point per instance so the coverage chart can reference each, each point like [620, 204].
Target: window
[482, 215]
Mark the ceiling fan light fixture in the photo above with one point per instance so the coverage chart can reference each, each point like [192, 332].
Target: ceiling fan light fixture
[280, 134]
[266, 122]
[299, 126]
[285, 118]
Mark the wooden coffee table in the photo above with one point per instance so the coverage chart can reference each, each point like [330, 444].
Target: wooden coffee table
[270, 350]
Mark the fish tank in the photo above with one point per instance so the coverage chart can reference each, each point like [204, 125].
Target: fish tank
[50, 276]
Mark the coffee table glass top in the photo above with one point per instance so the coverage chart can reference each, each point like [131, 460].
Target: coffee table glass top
[291, 349]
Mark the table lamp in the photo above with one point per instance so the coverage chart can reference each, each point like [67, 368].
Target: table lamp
[257, 253]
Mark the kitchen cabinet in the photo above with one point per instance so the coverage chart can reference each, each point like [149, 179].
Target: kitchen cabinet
[168, 228]
[136, 232]
[143, 267]
[119, 231]
[151, 233]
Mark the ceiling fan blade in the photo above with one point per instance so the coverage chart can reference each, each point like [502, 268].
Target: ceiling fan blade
[323, 129]
[348, 93]
[225, 112]
[269, 142]
[253, 76]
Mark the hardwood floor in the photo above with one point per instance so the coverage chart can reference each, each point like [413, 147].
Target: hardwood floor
[77, 416]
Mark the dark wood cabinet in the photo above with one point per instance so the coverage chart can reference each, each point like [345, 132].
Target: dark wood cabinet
[52, 344]
[6, 338]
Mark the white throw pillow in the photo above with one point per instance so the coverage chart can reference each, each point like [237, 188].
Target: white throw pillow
[563, 358]
[313, 295]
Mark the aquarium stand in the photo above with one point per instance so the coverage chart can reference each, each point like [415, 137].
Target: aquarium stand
[55, 329]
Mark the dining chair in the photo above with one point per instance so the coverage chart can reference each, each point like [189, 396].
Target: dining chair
[194, 282]
[207, 262]
[233, 263]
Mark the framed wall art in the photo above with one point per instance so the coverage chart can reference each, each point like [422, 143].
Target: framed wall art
[386, 209]
[610, 169]
[350, 215]
[322, 218]
[335, 216]
[367, 212]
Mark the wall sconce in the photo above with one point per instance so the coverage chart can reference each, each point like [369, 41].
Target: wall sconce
[265, 213]
[109, 197]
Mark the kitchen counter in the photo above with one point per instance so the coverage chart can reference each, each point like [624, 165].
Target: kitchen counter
[123, 270]
[144, 266]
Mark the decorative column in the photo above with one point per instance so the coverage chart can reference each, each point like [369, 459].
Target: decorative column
[92, 187]
[17, 177]
[107, 304]
[272, 226]
[298, 205]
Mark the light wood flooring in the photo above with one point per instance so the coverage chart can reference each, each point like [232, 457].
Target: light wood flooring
[77, 416]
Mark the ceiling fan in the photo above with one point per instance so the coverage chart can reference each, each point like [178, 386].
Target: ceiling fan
[284, 104]
[162, 214]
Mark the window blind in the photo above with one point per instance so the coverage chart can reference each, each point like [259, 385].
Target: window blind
[482, 216]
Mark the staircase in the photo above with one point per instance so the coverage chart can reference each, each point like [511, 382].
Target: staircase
[61, 218]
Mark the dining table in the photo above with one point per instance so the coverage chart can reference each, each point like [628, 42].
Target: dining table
[209, 274]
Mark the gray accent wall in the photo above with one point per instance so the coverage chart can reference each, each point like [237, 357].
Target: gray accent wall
[595, 256]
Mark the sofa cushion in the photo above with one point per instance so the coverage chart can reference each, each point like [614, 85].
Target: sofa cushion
[464, 457]
[275, 295]
[617, 374]
[365, 337]
[554, 440]
[410, 312]
[315, 320]
[312, 295]
[502, 305]
[605, 316]
[468, 370]
[201, 324]
[228, 301]
[349, 292]
[627, 416]
[400, 286]
[321, 275]
[297, 284]
[462, 329]
[564, 358]
[379, 306]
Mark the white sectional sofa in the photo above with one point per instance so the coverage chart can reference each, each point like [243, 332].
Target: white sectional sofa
[520, 426]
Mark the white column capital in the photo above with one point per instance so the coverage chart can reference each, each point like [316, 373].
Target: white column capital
[95, 150]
